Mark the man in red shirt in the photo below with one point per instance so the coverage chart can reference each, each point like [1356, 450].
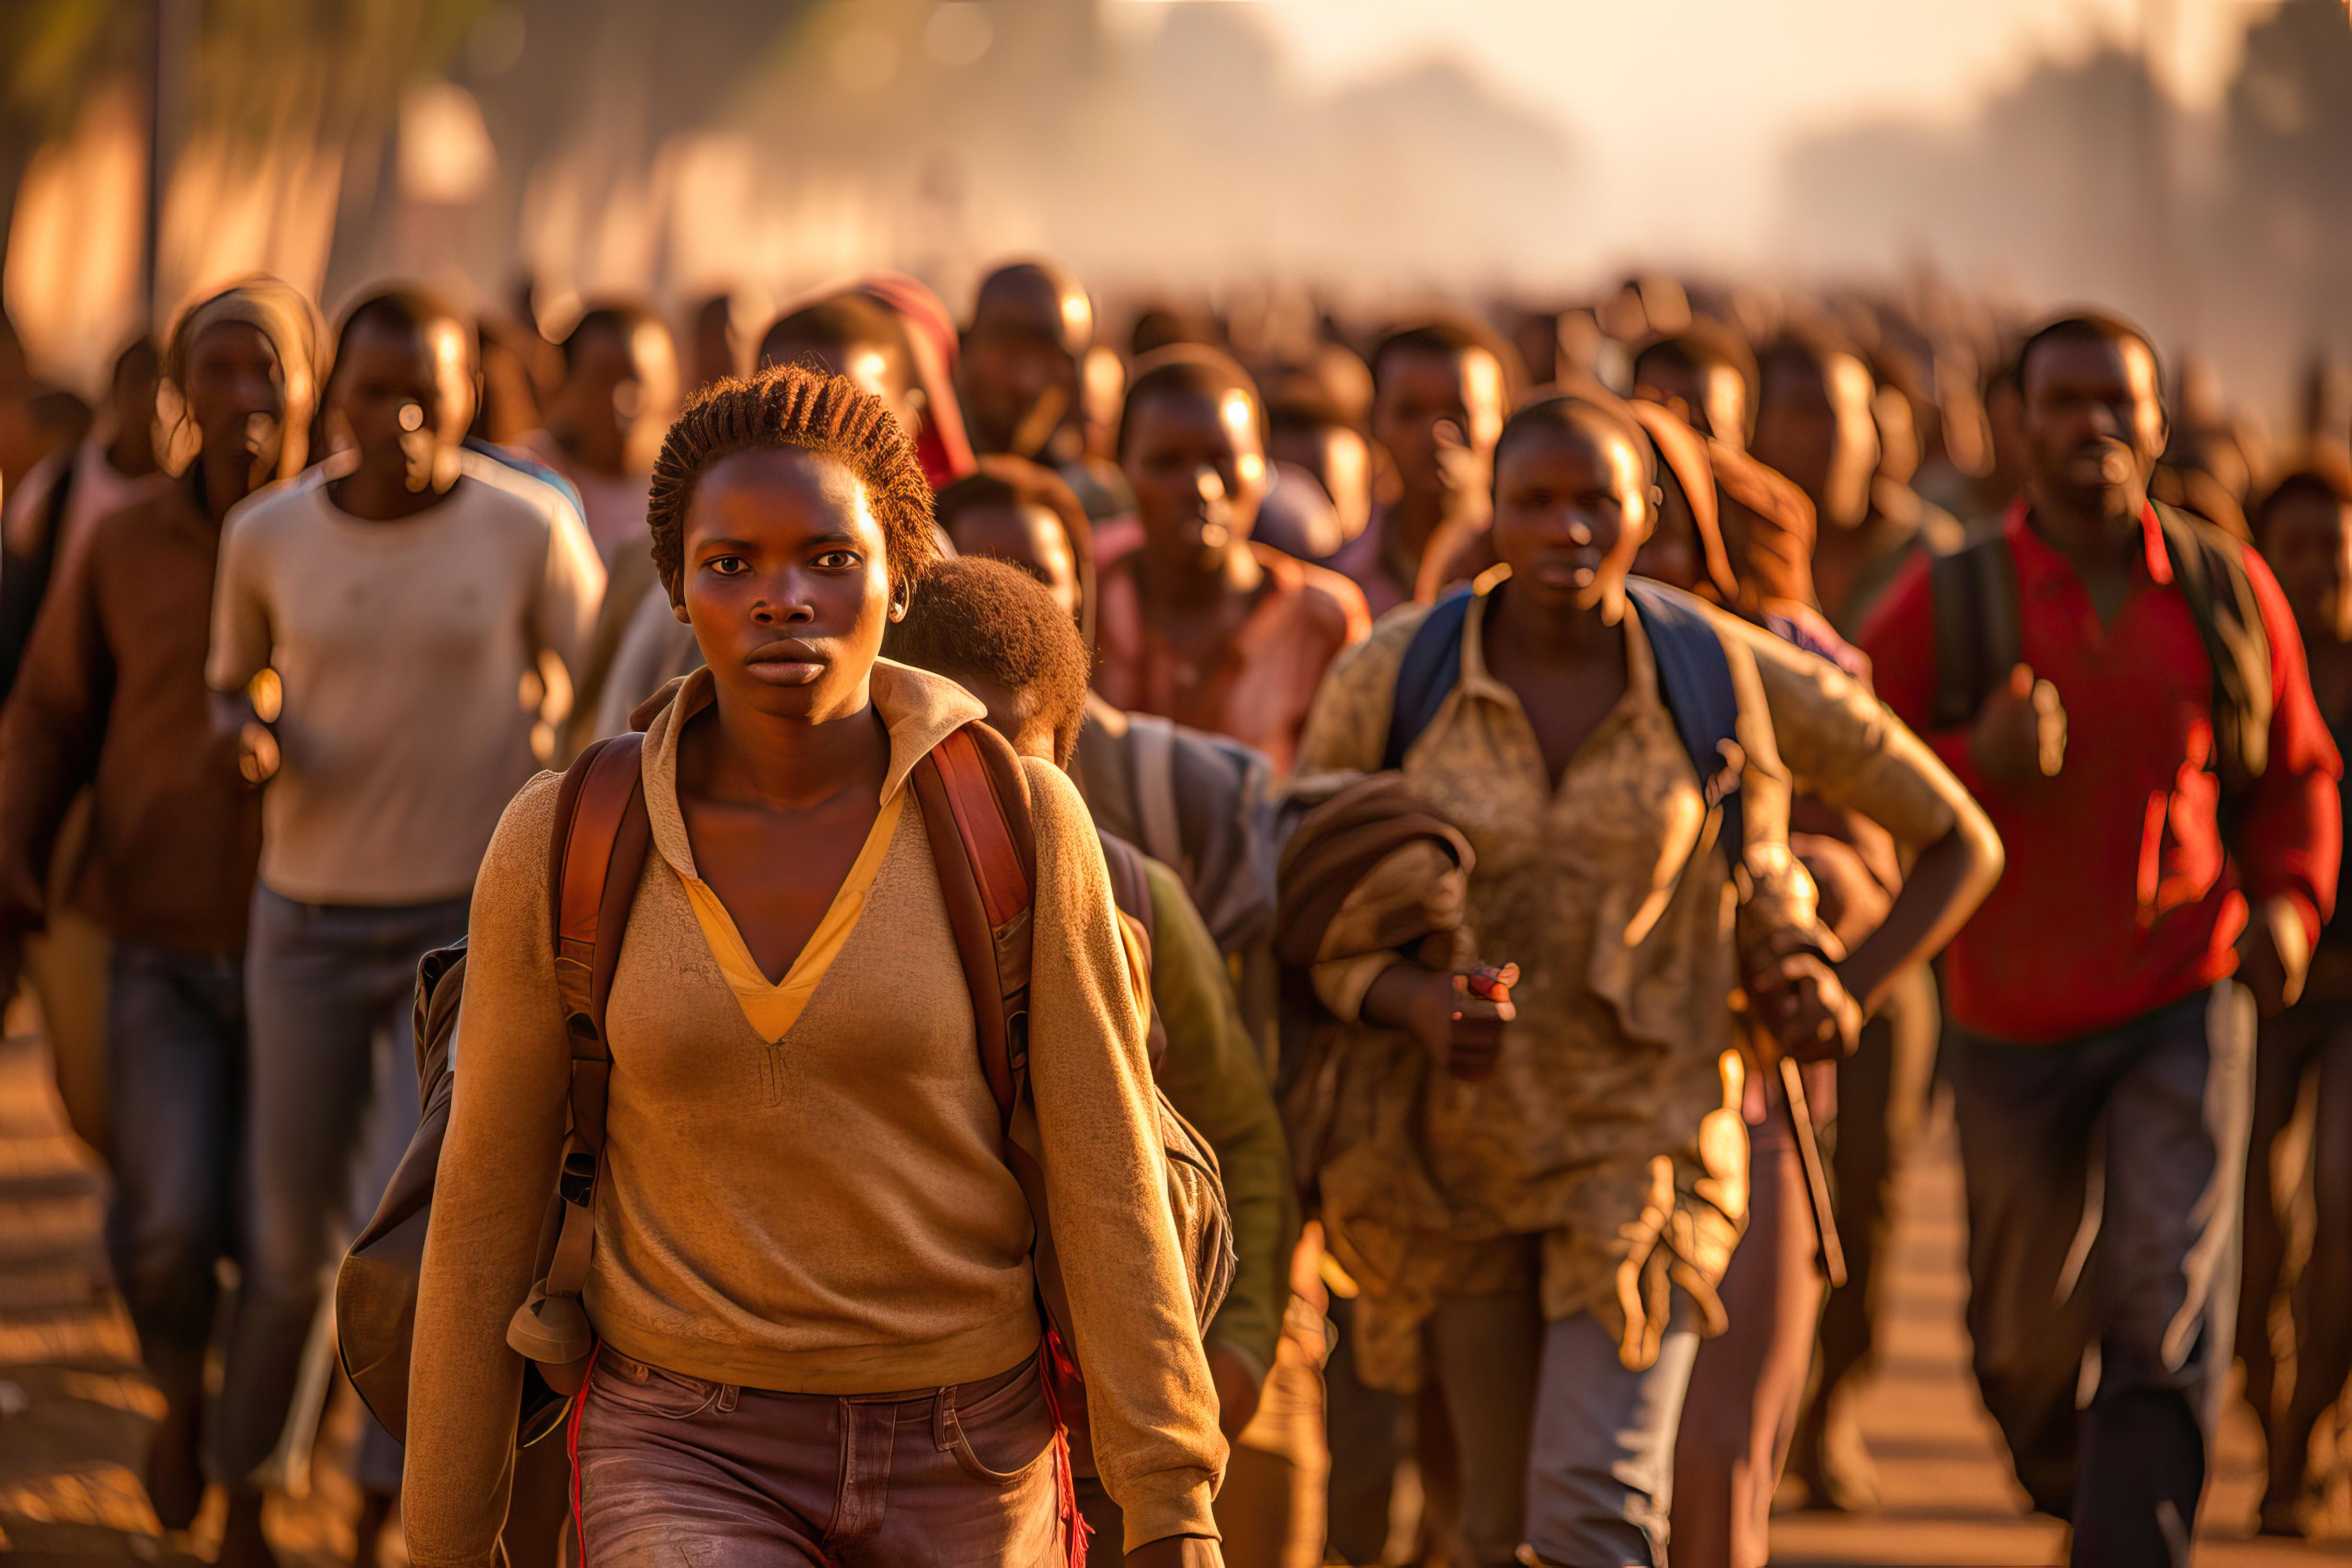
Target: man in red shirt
[2171, 821]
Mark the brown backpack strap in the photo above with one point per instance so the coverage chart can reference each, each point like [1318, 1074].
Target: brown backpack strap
[975, 804]
[595, 858]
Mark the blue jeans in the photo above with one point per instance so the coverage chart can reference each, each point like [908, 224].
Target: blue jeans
[1562, 1446]
[2103, 1178]
[331, 1107]
[176, 1040]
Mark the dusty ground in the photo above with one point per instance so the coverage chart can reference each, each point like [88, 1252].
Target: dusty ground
[74, 1413]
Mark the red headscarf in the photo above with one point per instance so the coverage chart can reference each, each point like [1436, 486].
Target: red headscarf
[943, 448]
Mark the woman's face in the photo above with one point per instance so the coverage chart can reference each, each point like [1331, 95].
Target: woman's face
[1571, 511]
[786, 583]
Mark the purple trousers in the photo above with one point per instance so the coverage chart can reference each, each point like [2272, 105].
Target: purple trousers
[676, 1471]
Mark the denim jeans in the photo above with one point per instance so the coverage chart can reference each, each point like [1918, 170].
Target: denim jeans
[1562, 1446]
[674, 1469]
[331, 1106]
[2104, 1189]
[175, 1037]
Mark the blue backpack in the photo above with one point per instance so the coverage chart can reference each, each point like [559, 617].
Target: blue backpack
[1694, 680]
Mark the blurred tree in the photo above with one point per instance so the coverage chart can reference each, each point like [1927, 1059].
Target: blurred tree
[2289, 147]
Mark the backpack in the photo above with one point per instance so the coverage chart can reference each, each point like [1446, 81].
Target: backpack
[1980, 630]
[1694, 681]
[975, 808]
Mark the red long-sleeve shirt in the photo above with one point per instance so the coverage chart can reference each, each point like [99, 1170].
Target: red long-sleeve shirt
[2120, 897]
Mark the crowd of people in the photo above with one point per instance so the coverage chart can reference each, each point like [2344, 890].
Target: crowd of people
[1071, 943]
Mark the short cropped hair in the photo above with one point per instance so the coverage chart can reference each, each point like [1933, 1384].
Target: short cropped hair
[619, 317]
[1560, 410]
[980, 617]
[833, 325]
[2089, 326]
[787, 408]
[402, 309]
[1806, 349]
[2328, 483]
[1186, 370]
[1705, 346]
[1453, 337]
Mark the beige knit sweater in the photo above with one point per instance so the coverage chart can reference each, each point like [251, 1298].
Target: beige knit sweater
[829, 1214]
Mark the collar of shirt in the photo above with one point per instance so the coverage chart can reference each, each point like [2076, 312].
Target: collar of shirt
[2040, 566]
[1476, 680]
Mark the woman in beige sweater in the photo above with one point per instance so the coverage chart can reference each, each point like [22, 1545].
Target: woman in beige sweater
[811, 1280]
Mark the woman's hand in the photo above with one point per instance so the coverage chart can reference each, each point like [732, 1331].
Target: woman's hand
[1803, 1004]
[1458, 1018]
[1177, 1552]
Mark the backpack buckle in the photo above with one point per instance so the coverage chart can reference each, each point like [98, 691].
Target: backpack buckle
[578, 1181]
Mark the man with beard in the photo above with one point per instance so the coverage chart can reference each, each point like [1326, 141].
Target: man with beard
[2186, 832]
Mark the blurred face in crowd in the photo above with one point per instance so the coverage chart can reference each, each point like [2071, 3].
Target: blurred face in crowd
[1197, 466]
[2092, 419]
[1815, 424]
[1712, 400]
[2307, 539]
[1020, 378]
[786, 581]
[1341, 459]
[882, 368]
[621, 393]
[1672, 554]
[1571, 511]
[1438, 414]
[404, 398]
[236, 398]
[1026, 535]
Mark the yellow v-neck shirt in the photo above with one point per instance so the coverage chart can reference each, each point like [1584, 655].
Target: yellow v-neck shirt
[773, 1006]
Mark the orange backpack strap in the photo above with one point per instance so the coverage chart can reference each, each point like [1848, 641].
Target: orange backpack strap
[975, 804]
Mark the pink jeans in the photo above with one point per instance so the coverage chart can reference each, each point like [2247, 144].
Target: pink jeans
[683, 1473]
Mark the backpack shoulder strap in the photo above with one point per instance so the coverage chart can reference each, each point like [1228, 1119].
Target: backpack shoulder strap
[1694, 681]
[1154, 742]
[975, 803]
[1980, 626]
[1131, 895]
[596, 856]
[1430, 670]
[2212, 571]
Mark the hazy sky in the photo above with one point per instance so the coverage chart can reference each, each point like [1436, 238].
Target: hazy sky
[1687, 163]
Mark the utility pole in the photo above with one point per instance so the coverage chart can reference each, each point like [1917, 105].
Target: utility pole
[170, 40]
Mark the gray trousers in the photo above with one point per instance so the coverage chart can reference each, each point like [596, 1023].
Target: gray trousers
[2103, 1178]
[1561, 1447]
[331, 1105]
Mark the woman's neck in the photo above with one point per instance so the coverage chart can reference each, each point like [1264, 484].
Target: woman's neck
[785, 764]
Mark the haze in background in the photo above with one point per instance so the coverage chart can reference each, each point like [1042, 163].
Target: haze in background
[2139, 151]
